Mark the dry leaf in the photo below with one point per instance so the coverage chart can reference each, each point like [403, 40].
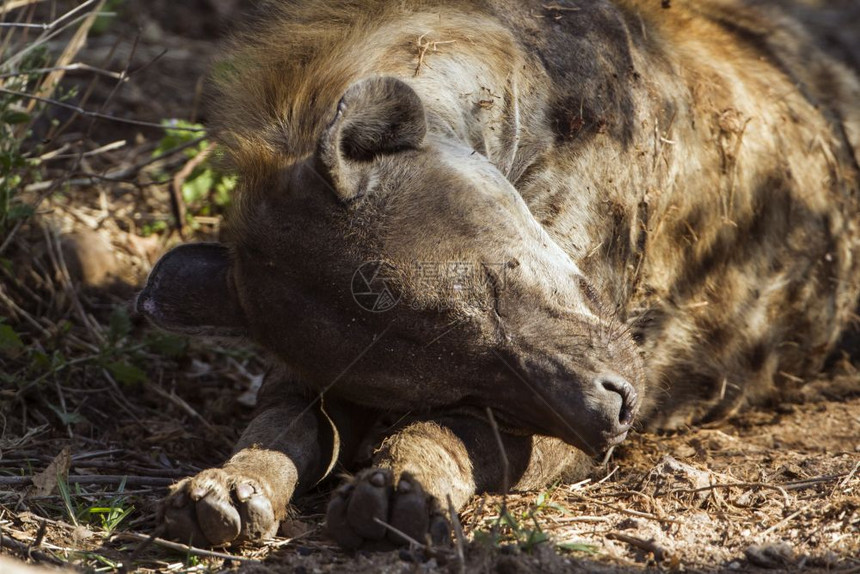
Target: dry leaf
[46, 481]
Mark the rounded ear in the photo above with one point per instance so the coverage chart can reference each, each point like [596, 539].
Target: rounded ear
[375, 116]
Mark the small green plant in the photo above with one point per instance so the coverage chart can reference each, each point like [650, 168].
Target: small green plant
[108, 564]
[524, 530]
[114, 512]
[106, 15]
[18, 164]
[124, 355]
[11, 344]
[206, 187]
[108, 513]
[192, 560]
[70, 503]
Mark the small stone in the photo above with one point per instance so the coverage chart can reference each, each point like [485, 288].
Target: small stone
[777, 555]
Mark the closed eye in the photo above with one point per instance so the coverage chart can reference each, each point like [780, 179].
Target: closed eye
[591, 295]
[495, 284]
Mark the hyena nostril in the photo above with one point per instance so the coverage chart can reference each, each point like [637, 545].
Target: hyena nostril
[629, 403]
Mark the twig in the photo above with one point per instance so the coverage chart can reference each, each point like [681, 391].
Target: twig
[15, 309]
[607, 456]
[61, 19]
[781, 523]
[423, 47]
[184, 548]
[177, 203]
[651, 546]
[506, 467]
[40, 534]
[85, 98]
[582, 484]
[458, 535]
[400, 533]
[566, 519]
[781, 489]
[68, 68]
[851, 474]
[180, 402]
[98, 151]
[73, 46]
[479, 511]
[116, 175]
[119, 397]
[560, 8]
[808, 482]
[10, 5]
[635, 513]
[25, 550]
[30, 517]
[95, 479]
[98, 115]
[10, 462]
[607, 477]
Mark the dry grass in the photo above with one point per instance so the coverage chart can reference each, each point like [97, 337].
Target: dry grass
[98, 413]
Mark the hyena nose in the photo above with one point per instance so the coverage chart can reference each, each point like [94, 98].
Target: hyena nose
[619, 397]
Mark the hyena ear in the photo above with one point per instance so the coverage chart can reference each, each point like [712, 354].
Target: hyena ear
[376, 116]
[190, 291]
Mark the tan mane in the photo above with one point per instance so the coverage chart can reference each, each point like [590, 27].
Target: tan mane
[279, 81]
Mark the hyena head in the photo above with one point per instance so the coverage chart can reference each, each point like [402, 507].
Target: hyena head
[398, 268]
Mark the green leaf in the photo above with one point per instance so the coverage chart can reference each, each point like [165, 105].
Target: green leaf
[21, 212]
[578, 547]
[534, 538]
[173, 138]
[165, 344]
[197, 189]
[120, 324]
[126, 373]
[224, 190]
[558, 508]
[10, 343]
[40, 361]
[68, 418]
[507, 519]
[14, 118]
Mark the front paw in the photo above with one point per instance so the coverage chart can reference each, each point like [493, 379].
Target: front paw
[362, 510]
[217, 507]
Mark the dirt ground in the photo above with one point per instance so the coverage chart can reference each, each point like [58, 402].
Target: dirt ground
[99, 413]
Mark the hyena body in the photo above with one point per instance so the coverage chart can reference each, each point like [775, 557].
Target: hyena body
[663, 203]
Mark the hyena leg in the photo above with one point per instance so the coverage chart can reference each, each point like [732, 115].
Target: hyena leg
[419, 467]
[287, 447]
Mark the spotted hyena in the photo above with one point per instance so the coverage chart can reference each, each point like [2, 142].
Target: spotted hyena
[570, 217]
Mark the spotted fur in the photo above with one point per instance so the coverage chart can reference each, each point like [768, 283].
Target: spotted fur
[670, 195]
